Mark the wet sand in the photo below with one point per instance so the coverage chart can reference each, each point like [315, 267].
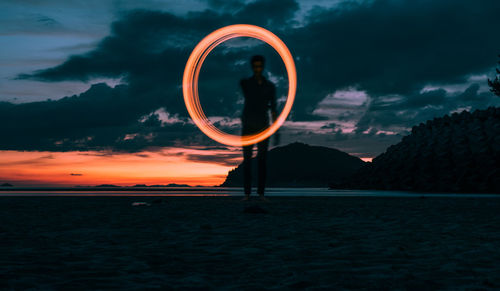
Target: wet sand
[203, 243]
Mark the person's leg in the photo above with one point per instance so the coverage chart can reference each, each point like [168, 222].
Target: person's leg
[262, 167]
[247, 169]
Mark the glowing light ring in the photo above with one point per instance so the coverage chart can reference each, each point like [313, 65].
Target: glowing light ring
[192, 71]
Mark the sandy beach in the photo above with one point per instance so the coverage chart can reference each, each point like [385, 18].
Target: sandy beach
[189, 243]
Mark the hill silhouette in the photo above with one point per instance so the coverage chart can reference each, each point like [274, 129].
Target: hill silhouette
[300, 165]
[457, 153]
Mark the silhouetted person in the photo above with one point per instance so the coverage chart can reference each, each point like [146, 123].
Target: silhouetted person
[260, 97]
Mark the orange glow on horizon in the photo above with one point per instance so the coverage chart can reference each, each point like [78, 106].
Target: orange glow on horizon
[192, 71]
[172, 165]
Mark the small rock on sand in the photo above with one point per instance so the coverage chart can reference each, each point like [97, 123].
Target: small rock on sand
[140, 204]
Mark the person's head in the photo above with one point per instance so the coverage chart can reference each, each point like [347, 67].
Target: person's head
[257, 63]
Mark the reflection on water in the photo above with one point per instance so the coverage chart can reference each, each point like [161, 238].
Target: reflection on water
[220, 191]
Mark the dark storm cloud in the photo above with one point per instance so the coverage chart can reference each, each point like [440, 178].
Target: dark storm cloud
[149, 49]
[101, 118]
[47, 21]
[224, 159]
[154, 42]
[385, 48]
[331, 125]
[394, 47]
[226, 4]
[413, 109]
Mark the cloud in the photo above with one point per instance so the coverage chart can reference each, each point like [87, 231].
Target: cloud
[361, 66]
[101, 118]
[225, 159]
[393, 47]
[149, 50]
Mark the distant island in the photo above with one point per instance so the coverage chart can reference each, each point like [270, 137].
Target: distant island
[168, 185]
[457, 153]
[6, 185]
[138, 185]
[300, 165]
[114, 188]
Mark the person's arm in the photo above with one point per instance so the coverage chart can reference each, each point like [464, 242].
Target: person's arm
[274, 113]
[242, 85]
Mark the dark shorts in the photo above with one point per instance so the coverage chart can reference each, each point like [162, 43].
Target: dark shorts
[249, 126]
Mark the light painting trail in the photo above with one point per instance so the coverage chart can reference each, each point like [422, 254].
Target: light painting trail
[192, 71]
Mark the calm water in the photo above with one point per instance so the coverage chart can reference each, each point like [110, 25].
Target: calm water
[219, 191]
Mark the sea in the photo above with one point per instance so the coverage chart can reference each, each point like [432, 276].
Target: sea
[218, 191]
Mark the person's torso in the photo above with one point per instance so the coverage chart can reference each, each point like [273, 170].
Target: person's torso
[257, 98]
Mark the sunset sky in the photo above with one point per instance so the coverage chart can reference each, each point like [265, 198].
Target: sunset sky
[90, 91]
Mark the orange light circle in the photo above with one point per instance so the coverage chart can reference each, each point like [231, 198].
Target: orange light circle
[192, 71]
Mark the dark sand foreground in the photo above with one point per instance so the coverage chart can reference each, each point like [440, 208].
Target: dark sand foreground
[379, 243]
